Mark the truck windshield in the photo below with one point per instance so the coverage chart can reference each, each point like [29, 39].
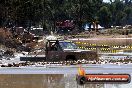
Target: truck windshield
[67, 45]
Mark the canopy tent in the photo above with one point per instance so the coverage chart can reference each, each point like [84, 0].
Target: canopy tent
[86, 27]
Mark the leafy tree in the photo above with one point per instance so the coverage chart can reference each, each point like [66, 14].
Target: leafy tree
[128, 12]
[46, 12]
[104, 16]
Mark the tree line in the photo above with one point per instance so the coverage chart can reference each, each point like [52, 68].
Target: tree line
[46, 12]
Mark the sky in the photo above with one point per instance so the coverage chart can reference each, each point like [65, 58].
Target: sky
[106, 0]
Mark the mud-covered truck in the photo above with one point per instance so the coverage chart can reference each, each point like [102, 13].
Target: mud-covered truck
[60, 50]
[63, 50]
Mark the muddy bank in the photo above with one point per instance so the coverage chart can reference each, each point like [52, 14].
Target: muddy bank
[105, 41]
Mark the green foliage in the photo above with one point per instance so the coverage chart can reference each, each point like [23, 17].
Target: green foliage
[105, 16]
[46, 12]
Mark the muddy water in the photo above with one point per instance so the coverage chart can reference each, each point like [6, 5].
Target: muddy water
[31, 81]
[49, 81]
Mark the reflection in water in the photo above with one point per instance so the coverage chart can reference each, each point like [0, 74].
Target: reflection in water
[49, 81]
[31, 81]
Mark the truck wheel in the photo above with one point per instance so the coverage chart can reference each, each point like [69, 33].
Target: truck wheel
[81, 80]
[70, 59]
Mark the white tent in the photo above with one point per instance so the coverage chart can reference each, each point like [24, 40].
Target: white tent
[100, 27]
[86, 27]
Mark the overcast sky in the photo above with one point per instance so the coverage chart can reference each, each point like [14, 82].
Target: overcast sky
[106, 0]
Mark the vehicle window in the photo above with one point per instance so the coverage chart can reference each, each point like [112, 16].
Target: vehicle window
[68, 45]
[55, 47]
